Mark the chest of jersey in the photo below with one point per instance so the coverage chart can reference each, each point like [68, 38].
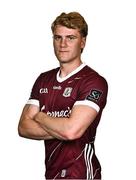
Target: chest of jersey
[57, 99]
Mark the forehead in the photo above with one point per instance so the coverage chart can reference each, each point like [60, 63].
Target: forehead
[64, 31]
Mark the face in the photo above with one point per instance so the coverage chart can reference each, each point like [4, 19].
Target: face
[67, 44]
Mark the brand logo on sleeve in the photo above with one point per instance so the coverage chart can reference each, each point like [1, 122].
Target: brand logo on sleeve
[94, 95]
[67, 92]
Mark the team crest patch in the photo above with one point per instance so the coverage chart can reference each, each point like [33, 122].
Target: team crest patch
[94, 95]
[67, 92]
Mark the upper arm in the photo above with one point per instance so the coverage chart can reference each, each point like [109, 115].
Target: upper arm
[29, 111]
[28, 128]
[80, 119]
[91, 100]
[32, 106]
[26, 122]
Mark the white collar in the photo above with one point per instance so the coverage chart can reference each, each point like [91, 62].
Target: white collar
[59, 79]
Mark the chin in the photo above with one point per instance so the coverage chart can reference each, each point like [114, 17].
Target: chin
[63, 61]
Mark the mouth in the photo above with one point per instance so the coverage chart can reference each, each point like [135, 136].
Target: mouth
[63, 51]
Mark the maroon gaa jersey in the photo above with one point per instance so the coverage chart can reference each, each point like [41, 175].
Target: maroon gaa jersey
[56, 96]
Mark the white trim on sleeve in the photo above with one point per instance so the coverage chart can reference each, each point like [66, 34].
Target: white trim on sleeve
[88, 103]
[33, 101]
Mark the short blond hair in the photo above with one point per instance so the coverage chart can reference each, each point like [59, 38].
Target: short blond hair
[72, 20]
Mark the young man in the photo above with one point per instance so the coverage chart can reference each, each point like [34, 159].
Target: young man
[66, 104]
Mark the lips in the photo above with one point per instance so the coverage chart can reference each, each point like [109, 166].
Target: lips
[61, 51]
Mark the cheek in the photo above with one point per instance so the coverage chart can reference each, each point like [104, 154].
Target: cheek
[77, 47]
[55, 49]
[55, 46]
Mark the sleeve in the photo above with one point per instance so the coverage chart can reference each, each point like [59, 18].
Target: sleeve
[93, 92]
[34, 96]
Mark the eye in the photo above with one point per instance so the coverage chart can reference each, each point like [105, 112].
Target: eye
[71, 37]
[57, 37]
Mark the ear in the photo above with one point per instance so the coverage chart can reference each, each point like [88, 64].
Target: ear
[83, 42]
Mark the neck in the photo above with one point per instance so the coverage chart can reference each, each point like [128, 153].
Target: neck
[66, 68]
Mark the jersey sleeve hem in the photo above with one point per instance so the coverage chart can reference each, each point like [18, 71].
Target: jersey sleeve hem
[33, 102]
[88, 103]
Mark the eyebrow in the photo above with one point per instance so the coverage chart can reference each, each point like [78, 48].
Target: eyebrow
[69, 35]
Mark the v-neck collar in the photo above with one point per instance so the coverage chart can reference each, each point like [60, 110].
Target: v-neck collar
[59, 79]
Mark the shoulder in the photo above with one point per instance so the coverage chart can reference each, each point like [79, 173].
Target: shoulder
[92, 76]
[45, 77]
[48, 74]
[95, 86]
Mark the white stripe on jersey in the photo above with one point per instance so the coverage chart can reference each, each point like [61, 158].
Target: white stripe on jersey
[33, 101]
[54, 150]
[88, 103]
[88, 153]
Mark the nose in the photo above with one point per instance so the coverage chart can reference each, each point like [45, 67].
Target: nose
[63, 42]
